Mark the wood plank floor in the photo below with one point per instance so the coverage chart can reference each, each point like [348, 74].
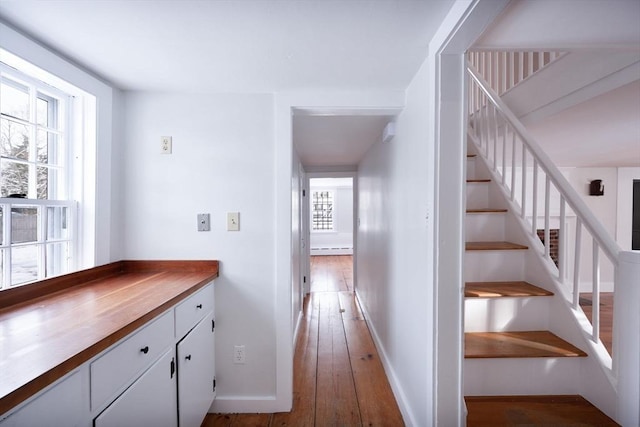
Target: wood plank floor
[338, 376]
[534, 411]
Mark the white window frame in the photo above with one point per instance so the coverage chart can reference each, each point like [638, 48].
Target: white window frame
[71, 128]
[333, 210]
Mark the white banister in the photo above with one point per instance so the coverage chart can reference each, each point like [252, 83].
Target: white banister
[573, 199]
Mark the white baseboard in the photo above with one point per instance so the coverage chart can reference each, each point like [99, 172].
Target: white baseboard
[319, 251]
[397, 389]
[245, 404]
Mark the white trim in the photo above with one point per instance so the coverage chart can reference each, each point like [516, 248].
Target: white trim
[396, 386]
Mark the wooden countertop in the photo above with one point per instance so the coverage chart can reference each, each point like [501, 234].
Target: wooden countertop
[49, 328]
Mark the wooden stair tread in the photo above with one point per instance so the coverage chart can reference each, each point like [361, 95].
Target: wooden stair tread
[503, 289]
[493, 246]
[471, 155]
[518, 344]
[472, 181]
[486, 210]
[549, 410]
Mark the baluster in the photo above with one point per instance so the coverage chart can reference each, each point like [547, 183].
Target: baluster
[513, 167]
[547, 191]
[534, 213]
[576, 264]
[503, 72]
[504, 153]
[495, 138]
[521, 66]
[524, 181]
[496, 71]
[512, 69]
[530, 56]
[490, 69]
[540, 60]
[595, 301]
[561, 241]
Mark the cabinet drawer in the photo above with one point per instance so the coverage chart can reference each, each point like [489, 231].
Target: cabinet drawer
[190, 311]
[115, 369]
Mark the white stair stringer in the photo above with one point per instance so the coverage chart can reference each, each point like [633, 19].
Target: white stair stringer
[589, 376]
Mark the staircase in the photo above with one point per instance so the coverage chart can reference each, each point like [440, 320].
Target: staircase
[509, 347]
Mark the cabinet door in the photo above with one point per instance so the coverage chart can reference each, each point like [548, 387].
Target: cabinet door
[150, 401]
[196, 371]
[61, 405]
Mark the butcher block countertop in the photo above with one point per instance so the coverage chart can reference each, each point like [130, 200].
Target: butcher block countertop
[49, 328]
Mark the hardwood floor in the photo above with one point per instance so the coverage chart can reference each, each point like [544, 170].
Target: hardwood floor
[338, 376]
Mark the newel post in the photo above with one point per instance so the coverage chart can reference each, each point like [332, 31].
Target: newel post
[626, 337]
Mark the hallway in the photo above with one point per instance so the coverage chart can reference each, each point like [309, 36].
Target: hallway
[338, 376]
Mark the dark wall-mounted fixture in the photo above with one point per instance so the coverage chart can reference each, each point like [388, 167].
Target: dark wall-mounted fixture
[596, 188]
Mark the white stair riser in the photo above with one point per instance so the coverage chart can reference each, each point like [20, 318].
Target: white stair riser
[471, 167]
[506, 314]
[484, 227]
[523, 376]
[493, 266]
[477, 195]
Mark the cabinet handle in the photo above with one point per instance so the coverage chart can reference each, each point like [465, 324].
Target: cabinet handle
[145, 349]
[199, 306]
[188, 357]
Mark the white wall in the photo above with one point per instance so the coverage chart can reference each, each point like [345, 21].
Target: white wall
[222, 161]
[342, 234]
[394, 260]
[298, 253]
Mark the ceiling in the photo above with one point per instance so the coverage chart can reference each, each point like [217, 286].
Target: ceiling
[336, 140]
[248, 46]
[603, 129]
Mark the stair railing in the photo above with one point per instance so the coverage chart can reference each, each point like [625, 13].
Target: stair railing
[509, 149]
[518, 162]
[506, 69]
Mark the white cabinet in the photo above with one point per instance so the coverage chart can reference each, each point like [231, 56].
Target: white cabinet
[162, 371]
[114, 370]
[150, 401]
[196, 373]
[63, 404]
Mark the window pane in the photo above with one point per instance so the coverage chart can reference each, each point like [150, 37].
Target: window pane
[47, 183]
[322, 210]
[48, 148]
[57, 223]
[24, 225]
[14, 100]
[15, 178]
[15, 140]
[24, 264]
[57, 259]
[42, 112]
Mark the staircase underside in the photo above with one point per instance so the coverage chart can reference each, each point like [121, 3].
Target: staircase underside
[534, 411]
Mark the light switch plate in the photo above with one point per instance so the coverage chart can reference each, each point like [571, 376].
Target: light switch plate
[165, 144]
[233, 221]
[203, 222]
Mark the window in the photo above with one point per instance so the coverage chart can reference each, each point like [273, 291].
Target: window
[36, 213]
[322, 212]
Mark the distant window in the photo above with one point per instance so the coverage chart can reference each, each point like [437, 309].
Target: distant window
[322, 212]
[36, 213]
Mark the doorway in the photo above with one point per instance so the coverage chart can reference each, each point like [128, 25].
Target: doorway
[331, 231]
